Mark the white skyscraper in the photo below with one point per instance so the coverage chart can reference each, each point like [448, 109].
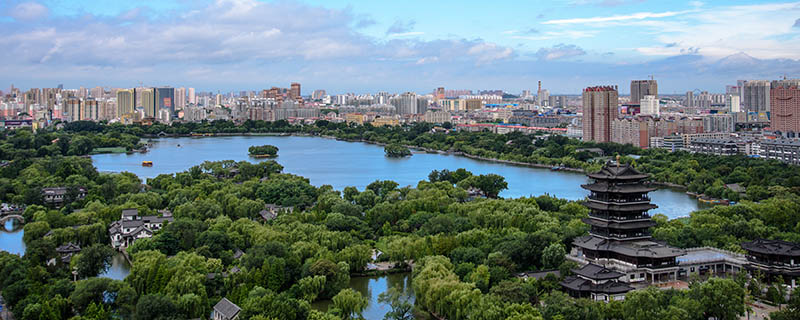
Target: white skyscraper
[180, 98]
[732, 103]
[192, 96]
[649, 105]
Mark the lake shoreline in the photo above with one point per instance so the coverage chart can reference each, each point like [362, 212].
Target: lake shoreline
[427, 150]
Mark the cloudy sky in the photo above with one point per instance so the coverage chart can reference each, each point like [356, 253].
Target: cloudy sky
[416, 45]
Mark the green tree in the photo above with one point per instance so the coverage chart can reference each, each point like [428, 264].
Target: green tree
[349, 304]
[92, 260]
[156, 306]
[553, 255]
[399, 302]
[396, 150]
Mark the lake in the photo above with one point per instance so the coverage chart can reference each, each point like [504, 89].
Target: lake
[341, 164]
[11, 241]
[11, 237]
[372, 287]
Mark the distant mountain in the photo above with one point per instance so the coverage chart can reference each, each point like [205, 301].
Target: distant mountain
[738, 60]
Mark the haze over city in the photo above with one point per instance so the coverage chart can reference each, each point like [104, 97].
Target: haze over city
[366, 46]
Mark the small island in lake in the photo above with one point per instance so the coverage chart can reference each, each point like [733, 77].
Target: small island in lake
[265, 151]
[396, 150]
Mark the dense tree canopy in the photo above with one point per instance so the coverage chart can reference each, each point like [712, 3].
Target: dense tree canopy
[465, 249]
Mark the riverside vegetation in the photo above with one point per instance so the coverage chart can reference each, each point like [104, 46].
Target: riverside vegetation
[465, 252]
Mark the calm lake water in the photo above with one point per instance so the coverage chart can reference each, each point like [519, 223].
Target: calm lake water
[120, 268]
[372, 287]
[11, 241]
[341, 164]
[11, 237]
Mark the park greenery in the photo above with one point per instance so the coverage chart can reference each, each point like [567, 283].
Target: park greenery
[267, 151]
[465, 248]
[396, 150]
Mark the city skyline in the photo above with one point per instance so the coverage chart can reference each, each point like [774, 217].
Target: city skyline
[362, 47]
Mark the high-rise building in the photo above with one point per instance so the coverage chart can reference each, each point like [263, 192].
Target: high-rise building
[72, 109]
[318, 94]
[732, 103]
[439, 94]
[641, 88]
[294, 91]
[148, 99]
[405, 103]
[649, 106]
[90, 109]
[97, 92]
[165, 99]
[785, 103]
[755, 95]
[180, 98]
[599, 112]
[192, 96]
[125, 102]
[689, 99]
[218, 100]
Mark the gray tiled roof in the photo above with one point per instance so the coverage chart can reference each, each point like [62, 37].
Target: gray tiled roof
[643, 248]
[227, 308]
[773, 247]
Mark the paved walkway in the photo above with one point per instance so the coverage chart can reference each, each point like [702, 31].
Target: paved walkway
[760, 311]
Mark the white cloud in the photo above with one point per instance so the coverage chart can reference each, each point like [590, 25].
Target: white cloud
[29, 11]
[560, 51]
[489, 52]
[406, 34]
[634, 16]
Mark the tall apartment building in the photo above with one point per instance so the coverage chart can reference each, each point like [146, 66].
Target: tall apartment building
[785, 103]
[689, 99]
[755, 95]
[439, 93]
[90, 109]
[732, 103]
[165, 99]
[318, 95]
[180, 98]
[719, 123]
[125, 102]
[148, 99]
[599, 112]
[649, 105]
[72, 109]
[642, 88]
[294, 90]
[192, 96]
[405, 103]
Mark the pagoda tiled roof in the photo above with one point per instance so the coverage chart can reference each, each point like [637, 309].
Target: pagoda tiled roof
[640, 248]
[643, 224]
[773, 247]
[619, 206]
[603, 186]
[618, 171]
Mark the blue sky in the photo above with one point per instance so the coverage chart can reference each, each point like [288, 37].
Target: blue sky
[366, 46]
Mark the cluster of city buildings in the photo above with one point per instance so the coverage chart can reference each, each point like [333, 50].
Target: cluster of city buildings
[755, 118]
[42, 107]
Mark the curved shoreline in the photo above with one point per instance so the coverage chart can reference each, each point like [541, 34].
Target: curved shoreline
[428, 150]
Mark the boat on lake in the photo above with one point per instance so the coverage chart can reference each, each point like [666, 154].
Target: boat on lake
[147, 163]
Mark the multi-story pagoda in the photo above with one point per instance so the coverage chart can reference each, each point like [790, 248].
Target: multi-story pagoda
[619, 237]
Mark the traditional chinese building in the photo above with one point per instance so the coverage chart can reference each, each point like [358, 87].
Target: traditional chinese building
[774, 258]
[619, 237]
[597, 283]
